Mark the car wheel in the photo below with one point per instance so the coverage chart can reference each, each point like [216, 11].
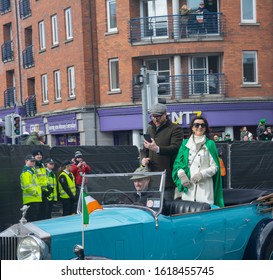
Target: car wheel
[268, 251]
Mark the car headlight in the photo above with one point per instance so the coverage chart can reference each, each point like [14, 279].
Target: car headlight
[32, 248]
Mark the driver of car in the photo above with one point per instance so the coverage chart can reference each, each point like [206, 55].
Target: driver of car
[142, 185]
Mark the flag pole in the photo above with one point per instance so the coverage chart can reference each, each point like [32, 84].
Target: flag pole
[82, 198]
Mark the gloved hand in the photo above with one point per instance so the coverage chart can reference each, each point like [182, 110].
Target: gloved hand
[184, 178]
[196, 178]
[50, 190]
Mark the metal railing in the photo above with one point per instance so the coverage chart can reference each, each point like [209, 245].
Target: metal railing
[9, 97]
[28, 57]
[24, 7]
[7, 51]
[184, 86]
[176, 27]
[4, 6]
[30, 106]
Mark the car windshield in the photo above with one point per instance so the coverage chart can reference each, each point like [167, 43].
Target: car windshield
[142, 190]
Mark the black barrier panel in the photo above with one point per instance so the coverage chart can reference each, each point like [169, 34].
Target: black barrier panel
[11, 164]
[101, 159]
[252, 165]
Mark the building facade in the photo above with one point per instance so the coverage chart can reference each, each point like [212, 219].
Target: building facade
[48, 76]
[70, 68]
[218, 63]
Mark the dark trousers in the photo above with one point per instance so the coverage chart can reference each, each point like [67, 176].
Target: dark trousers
[43, 213]
[67, 206]
[33, 211]
[169, 193]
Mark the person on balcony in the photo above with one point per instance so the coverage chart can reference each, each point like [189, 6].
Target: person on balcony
[200, 19]
[212, 80]
[184, 11]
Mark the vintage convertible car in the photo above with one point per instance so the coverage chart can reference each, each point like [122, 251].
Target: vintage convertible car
[153, 229]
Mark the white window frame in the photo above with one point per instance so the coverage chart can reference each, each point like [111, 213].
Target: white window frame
[68, 24]
[110, 28]
[71, 81]
[54, 26]
[44, 88]
[255, 56]
[246, 4]
[57, 84]
[114, 66]
[42, 37]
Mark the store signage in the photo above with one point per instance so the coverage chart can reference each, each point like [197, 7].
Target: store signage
[183, 117]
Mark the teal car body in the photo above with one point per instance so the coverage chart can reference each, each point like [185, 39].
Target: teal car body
[138, 232]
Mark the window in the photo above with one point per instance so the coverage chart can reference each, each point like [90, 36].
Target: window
[114, 74]
[111, 16]
[68, 24]
[250, 67]
[54, 26]
[162, 68]
[57, 84]
[248, 11]
[42, 35]
[44, 88]
[71, 81]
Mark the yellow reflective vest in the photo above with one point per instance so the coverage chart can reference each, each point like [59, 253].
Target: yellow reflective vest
[52, 181]
[31, 190]
[71, 185]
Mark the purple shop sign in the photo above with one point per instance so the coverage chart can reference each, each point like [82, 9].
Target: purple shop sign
[35, 124]
[62, 124]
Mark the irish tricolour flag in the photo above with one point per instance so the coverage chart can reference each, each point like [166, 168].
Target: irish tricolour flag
[89, 205]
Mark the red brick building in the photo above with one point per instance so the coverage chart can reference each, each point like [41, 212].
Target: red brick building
[78, 61]
[220, 64]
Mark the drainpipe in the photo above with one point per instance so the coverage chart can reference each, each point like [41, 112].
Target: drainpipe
[19, 51]
[93, 72]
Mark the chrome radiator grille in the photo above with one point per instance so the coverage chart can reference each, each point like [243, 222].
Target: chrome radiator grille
[8, 248]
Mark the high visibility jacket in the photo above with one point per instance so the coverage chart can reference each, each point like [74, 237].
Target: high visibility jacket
[222, 167]
[71, 184]
[52, 181]
[42, 177]
[30, 186]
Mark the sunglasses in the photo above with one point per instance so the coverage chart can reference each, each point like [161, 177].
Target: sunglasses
[196, 125]
[157, 117]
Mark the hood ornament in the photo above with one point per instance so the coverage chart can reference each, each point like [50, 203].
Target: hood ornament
[24, 212]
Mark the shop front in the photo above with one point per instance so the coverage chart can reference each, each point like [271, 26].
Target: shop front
[222, 117]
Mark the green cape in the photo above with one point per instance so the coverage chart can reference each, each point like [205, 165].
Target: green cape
[181, 162]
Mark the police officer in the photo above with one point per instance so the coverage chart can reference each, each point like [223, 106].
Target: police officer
[40, 171]
[31, 191]
[52, 185]
[67, 187]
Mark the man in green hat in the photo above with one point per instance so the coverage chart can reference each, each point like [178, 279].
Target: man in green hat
[260, 130]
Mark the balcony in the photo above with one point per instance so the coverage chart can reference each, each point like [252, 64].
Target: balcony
[4, 6]
[9, 98]
[28, 57]
[162, 29]
[7, 51]
[189, 86]
[30, 106]
[24, 7]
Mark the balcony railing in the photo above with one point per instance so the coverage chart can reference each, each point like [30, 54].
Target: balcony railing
[9, 97]
[7, 51]
[175, 27]
[4, 6]
[24, 7]
[28, 57]
[186, 86]
[30, 106]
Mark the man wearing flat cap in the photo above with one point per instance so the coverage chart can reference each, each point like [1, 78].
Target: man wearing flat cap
[160, 153]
